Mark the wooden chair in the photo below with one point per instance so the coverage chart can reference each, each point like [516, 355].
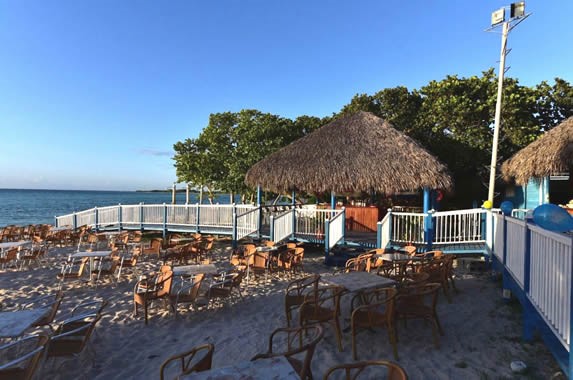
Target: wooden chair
[410, 249]
[223, 287]
[72, 270]
[297, 263]
[25, 354]
[52, 302]
[437, 268]
[155, 288]
[154, 247]
[375, 262]
[301, 344]
[196, 360]
[188, 293]
[372, 369]
[11, 257]
[107, 268]
[322, 307]
[296, 292]
[419, 302]
[374, 308]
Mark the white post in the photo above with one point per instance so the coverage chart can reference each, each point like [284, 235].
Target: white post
[497, 121]
[187, 194]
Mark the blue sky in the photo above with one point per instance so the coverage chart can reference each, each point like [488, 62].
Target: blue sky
[93, 94]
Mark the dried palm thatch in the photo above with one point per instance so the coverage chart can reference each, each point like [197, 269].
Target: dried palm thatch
[550, 154]
[360, 152]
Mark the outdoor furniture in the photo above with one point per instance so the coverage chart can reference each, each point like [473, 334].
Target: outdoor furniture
[10, 257]
[196, 360]
[72, 337]
[148, 290]
[437, 269]
[23, 357]
[276, 368]
[92, 256]
[154, 247]
[419, 302]
[301, 343]
[14, 323]
[322, 307]
[107, 268]
[188, 292]
[357, 281]
[191, 270]
[296, 292]
[374, 308]
[223, 287]
[51, 302]
[367, 370]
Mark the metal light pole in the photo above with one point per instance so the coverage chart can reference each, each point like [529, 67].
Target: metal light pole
[517, 15]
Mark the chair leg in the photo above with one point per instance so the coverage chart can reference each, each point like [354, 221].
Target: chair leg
[354, 354]
[338, 333]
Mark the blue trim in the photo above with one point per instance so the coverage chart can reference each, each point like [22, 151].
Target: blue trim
[260, 222]
[379, 235]
[119, 215]
[333, 200]
[343, 240]
[569, 372]
[234, 238]
[390, 231]
[198, 218]
[293, 235]
[428, 229]
[272, 232]
[96, 219]
[75, 222]
[326, 240]
[141, 216]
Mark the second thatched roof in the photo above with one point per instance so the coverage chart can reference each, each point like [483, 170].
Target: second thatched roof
[360, 152]
[550, 154]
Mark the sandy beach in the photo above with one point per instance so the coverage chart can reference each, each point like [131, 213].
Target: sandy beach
[482, 331]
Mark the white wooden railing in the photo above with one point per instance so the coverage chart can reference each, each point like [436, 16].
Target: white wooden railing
[335, 228]
[463, 226]
[310, 223]
[407, 227]
[515, 248]
[282, 226]
[247, 223]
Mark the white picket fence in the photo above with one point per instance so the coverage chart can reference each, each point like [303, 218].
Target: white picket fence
[282, 226]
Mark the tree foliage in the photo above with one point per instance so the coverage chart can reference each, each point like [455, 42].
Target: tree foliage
[452, 117]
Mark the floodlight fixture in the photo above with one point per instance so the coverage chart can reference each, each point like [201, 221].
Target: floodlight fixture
[517, 10]
[498, 17]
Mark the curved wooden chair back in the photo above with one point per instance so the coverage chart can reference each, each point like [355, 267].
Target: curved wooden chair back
[301, 344]
[297, 291]
[353, 371]
[196, 360]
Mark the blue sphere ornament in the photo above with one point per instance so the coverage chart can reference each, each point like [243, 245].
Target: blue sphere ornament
[506, 207]
[553, 218]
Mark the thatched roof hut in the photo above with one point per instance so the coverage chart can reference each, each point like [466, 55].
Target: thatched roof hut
[360, 152]
[550, 154]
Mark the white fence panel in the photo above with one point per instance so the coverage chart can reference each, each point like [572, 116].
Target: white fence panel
[385, 230]
[336, 229]
[408, 227]
[463, 226]
[182, 215]
[498, 231]
[131, 214]
[515, 259]
[153, 214]
[310, 223]
[65, 220]
[247, 223]
[550, 278]
[86, 217]
[216, 216]
[108, 215]
[283, 226]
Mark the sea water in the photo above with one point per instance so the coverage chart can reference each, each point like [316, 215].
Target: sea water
[23, 207]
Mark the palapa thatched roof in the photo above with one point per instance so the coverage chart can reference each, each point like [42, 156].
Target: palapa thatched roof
[550, 154]
[360, 152]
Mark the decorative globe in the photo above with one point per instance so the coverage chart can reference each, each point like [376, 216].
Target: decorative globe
[487, 204]
[506, 207]
[553, 218]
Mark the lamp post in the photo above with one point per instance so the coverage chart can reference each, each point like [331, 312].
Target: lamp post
[516, 16]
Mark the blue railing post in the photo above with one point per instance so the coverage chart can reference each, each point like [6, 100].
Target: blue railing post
[164, 220]
[326, 240]
[119, 215]
[293, 236]
[379, 234]
[272, 233]
[260, 221]
[343, 225]
[198, 217]
[56, 221]
[74, 221]
[429, 222]
[570, 368]
[427, 219]
[141, 216]
[96, 219]
[234, 238]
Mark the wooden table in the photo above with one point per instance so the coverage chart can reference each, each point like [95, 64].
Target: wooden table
[12, 244]
[357, 281]
[14, 323]
[190, 270]
[263, 369]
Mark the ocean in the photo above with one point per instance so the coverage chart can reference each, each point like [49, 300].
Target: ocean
[23, 207]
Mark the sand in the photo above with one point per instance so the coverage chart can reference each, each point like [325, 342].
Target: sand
[482, 331]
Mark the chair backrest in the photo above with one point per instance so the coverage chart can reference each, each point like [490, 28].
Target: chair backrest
[69, 330]
[24, 356]
[370, 302]
[369, 369]
[196, 360]
[54, 306]
[300, 341]
[350, 265]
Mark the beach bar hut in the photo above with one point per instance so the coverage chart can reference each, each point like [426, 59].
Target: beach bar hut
[540, 169]
[357, 152]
